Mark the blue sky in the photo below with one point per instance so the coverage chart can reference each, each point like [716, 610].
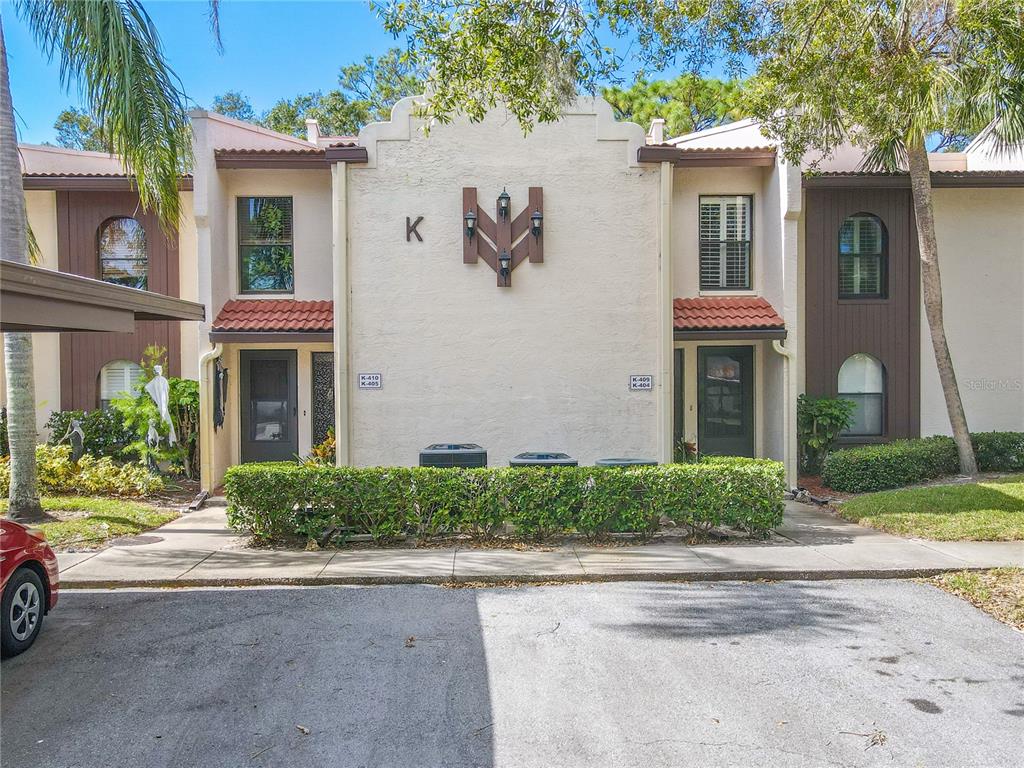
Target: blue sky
[272, 50]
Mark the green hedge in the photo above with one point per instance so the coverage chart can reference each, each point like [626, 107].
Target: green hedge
[905, 462]
[280, 499]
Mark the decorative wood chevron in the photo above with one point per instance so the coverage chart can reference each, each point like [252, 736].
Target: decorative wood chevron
[495, 235]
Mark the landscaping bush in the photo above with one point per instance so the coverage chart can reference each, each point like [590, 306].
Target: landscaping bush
[905, 462]
[999, 451]
[819, 422]
[104, 431]
[281, 499]
[90, 476]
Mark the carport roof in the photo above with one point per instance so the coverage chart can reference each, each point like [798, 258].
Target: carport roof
[44, 300]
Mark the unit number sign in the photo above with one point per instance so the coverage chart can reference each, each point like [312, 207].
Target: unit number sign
[369, 381]
[641, 382]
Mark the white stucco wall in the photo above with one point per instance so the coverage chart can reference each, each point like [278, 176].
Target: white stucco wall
[689, 186]
[311, 226]
[188, 285]
[981, 254]
[543, 365]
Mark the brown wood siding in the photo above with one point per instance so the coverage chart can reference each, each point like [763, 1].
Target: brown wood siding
[890, 328]
[82, 355]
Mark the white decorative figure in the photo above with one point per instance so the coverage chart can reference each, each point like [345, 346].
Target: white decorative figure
[160, 390]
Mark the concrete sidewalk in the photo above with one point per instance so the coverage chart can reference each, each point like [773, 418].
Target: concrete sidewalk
[198, 549]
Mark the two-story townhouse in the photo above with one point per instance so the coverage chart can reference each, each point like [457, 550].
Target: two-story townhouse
[585, 288]
[568, 290]
[86, 220]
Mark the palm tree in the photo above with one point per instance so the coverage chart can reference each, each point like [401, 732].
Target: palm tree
[111, 50]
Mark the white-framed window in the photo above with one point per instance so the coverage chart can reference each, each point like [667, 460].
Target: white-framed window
[862, 380]
[862, 257]
[118, 378]
[725, 238]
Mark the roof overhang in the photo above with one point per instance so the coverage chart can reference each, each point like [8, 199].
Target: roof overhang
[43, 300]
[694, 157]
[729, 334]
[288, 159]
[87, 182]
[940, 179]
[270, 337]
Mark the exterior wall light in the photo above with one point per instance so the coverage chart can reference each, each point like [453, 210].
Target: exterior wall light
[504, 201]
[470, 219]
[535, 221]
[505, 263]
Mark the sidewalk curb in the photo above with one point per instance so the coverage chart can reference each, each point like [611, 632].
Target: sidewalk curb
[498, 580]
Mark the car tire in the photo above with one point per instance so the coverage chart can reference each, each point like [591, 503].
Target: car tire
[23, 606]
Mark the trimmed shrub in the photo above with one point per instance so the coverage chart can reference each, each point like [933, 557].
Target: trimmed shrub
[90, 476]
[999, 451]
[905, 462]
[281, 499]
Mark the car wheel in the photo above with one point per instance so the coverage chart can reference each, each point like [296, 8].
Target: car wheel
[23, 607]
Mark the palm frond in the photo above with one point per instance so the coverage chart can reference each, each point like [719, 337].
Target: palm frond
[34, 254]
[111, 51]
[213, 14]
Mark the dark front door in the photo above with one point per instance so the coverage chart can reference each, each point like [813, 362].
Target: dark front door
[269, 406]
[725, 406]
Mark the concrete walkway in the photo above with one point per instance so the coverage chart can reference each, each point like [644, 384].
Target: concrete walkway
[199, 549]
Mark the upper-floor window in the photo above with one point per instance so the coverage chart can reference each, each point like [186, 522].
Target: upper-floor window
[862, 257]
[862, 380]
[121, 244]
[725, 229]
[120, 377]
[265, 252]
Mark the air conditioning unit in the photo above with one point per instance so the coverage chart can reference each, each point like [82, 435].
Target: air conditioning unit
[453, 455]
[543, 459]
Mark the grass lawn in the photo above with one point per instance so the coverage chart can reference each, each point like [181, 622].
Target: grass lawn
[89, 522]
[999, 592]
[992, 510]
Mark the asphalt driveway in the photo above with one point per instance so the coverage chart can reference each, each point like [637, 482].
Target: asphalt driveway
[624, 674]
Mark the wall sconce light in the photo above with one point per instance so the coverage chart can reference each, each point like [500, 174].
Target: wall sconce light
[505, 263]
[535, 221]
[504, 201]
[470, 219]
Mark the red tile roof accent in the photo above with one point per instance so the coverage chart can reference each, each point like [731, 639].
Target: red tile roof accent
[272, 315]
[712, 313]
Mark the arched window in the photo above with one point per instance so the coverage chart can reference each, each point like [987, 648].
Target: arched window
[122, 250]
[862, 380]
[118, 378]
[862, 257]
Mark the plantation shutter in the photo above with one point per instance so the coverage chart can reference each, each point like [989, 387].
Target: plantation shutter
[118, 378]
[725, 232]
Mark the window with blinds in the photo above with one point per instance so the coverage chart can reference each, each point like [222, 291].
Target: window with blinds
[725, 229]
[265, 249]
[862, 258]
[120, 377]
[121, 243]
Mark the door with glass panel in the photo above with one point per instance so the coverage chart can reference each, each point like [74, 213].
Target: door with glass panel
[725, 401]
[268, 403]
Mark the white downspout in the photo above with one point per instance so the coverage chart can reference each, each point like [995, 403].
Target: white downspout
[206, 418]
[788, 356]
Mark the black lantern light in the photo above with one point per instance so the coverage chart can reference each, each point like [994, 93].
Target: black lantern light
[504, 202]
[505, 264]
[535, 221]
[470, 219]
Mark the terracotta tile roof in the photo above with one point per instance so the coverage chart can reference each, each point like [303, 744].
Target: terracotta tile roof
[311, 151]
[712, 313]
[275, 315]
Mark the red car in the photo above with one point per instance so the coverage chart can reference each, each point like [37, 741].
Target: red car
[28, 570]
